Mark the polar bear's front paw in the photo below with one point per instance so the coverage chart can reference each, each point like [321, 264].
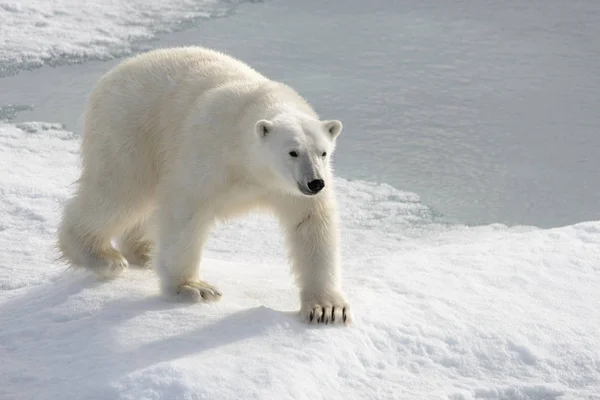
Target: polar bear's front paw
[196, 291]
[326, 309]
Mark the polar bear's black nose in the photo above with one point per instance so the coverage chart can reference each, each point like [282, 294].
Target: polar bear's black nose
[316, 185]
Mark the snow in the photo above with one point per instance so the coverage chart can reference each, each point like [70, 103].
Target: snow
[442, 311]
[38, 31]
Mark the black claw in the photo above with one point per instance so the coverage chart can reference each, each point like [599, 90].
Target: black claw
[322, 316]
[312, 315]
[344, 314]
[202, 295]
[332, 314]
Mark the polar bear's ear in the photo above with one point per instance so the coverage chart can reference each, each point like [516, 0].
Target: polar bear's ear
[334, 127]
[263, 128]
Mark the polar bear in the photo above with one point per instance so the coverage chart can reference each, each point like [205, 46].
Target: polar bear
[176, 139]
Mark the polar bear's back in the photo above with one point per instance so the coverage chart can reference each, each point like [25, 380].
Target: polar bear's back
[200, 63]
[164, 78]
[163, 69]
[137, 108]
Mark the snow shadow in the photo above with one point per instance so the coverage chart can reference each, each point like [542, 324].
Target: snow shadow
[65, 331]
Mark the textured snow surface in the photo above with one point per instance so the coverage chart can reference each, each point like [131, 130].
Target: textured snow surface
[35, 32]
[442, 312]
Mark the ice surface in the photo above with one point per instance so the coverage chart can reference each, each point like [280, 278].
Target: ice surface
[38, 31]
[488, 110]
[442, 311]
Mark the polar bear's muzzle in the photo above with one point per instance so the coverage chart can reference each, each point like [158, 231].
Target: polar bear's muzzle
[312, 187]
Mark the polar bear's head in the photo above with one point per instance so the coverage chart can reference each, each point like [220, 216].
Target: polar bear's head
[297, 151]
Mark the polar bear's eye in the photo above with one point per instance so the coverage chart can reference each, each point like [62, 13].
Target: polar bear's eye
[324, 154]
[293, 154]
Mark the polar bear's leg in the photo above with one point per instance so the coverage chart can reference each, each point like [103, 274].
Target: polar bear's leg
[183, 227]
[84, 238]
[136, 245]
[312, 240]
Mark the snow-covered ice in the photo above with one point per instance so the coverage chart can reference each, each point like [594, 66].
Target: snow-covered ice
[442, 311]
[34, 32]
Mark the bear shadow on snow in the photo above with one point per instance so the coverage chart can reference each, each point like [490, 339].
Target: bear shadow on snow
[59, 348]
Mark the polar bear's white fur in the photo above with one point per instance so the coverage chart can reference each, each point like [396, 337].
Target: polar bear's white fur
[176, 139]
